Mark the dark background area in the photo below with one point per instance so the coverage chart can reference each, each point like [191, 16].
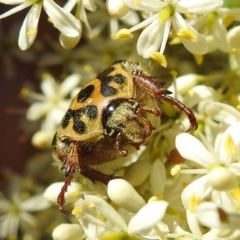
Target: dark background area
[18, 69]
[15, 147]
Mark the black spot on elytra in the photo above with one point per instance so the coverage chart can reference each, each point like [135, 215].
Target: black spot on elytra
[85, 93]
[79, 126]
[107, 90]
[105, 73]
[66, 118]
[105, 79]
[91, 111]
[119, 78]
[54, 140]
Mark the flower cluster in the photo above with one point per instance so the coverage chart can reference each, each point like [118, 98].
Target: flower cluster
[49, 106]
[19, 209]
[179, 185]
[201, 26]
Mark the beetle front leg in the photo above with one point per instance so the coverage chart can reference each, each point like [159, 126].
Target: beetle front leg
[155, 111]
[155, 89]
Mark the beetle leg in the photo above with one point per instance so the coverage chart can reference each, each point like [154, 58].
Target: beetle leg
[156, 90]
[155, 111]
[183, 108]
[70, 164]
[122, 152]
[69, 177]
[95, 175]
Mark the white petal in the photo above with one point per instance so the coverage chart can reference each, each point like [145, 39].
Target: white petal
[228, 144]
[42, 139]
[233, 37]
[107, 210]
[145, 5]
[9, 227]
[124, 195]
[192, 149]
[234, 131]
[52, 191]
[116, 8]
[203, 92]
[131, 18]
[158, 178]
[235, 168]
[150, 39]
[236, 59]
[199, 6]
[49, 86]
[35, 203]
[222, 179]
[69, 42]
[200, 94]
[90, 5]
[137, 172]
[147, 217]
[143, 23]
[12, 2]
[69, 84]
[28, 31]
[64, 21]
[220, 112]
[220, 36]
[184, 83]
[15, 9]
[66, 231]
[213, 216]
[36, 111]
[193, 223]
[53, 117]
[195, 191]
[197, 47]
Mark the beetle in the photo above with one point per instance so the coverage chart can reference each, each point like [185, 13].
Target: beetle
[108, 120]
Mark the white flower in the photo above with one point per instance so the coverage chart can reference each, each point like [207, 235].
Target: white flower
[214, 27]
[67, 231]
[219, 112]
[101, 221]
[72, 194]
[117, 8]
[220, 167]
[213, 216]
[118, 13]
[217, 116]
[148, 216]
[17, 212]
[96, 216]
[215, 233]
[233, 41]
[166, 14]
[130, 200]
[49, 106]
[71, 41]
[217, 33]
[64, 21]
